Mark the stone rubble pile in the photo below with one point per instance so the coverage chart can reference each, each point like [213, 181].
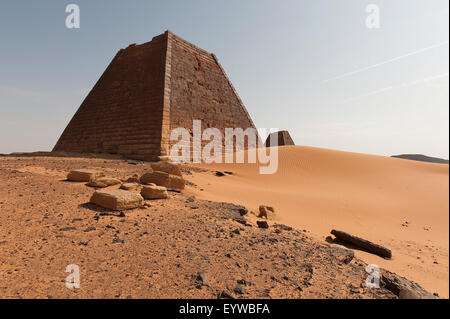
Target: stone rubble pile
[133, 192]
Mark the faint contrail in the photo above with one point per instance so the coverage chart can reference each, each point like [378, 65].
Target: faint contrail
[392, 87]
[385, 62]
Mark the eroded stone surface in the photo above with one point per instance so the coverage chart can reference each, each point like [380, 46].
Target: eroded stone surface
[83, 175]
[154, 192]
[171, 182]
[117, 199]
[167, 167]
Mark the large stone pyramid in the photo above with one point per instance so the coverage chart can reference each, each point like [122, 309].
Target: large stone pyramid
[146, 91]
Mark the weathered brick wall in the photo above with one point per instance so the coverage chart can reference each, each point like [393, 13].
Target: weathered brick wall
[200, 90]
[123, 112]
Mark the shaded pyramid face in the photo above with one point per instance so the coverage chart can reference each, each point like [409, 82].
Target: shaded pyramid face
[281, 138]
[148, 90]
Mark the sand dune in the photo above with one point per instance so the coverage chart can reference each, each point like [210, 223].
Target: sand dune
[369, 196]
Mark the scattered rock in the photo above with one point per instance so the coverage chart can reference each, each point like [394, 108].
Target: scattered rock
[117, 240]
[154, 192]
[283, 227]
[243, 282]
[239, 289]
[262, 224]
[240, 220]
[362, 243]
[344, 255]
[202, 279]
[354, 290]
[243, 211]
[104, 182]
[83, 175]
[67, 228]
[404, 288]
[236, 231]
[90, 228]
[117, 199]
[265, 211]
[190, 199]
[226, 295]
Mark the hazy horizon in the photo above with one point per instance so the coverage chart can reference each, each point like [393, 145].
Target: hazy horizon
[310, 67]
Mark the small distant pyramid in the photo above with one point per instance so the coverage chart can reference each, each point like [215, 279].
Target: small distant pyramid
[283, 138]
[148, 90]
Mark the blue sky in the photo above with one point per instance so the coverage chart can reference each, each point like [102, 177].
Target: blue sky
[311, 67]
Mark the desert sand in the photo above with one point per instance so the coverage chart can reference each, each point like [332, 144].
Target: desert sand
[196, 244]
[400, 204]
[179, 247]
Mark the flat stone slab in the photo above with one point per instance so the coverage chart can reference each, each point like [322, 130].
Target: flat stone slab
[154, 192]
[117, 199]
[83, 175]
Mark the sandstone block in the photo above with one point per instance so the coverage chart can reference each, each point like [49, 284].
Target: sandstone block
[176, 183]
[171, 182]
[117, 199]
[167, 167]
[83, 175]
[158, 178]
[154, 192]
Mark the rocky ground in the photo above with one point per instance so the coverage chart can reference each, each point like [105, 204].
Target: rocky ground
[178, 247]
